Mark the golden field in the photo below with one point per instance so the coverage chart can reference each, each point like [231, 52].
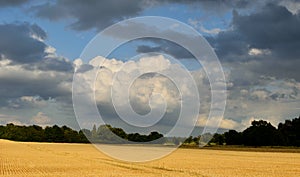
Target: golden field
[50, 159]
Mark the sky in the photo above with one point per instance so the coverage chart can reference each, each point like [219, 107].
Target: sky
[257, 43]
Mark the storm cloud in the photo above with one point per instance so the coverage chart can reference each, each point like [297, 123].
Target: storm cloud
[100, 14]
[273, 28]
[28, 67]
[94, 14]
[22, 43]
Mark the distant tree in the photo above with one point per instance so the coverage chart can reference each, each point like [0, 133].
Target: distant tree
[154, 136]
[196, 140]
[119, 132]
[135, 137]
[2, 131]
[87, 133]
[94, 132]
[9, 132]
[35, 133]
[105, 135]
[54, 134]
[260, 133]
[219, 139]
[206, 137]
[233, 137]
[83, 137]
[70, 135]
[289, 130]
[189, 140]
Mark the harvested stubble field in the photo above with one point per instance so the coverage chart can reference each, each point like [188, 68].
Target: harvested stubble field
[49, 159]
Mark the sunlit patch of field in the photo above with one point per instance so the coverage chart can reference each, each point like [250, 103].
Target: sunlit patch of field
[49, 159]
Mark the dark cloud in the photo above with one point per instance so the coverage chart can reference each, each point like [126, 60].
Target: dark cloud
[23, 43]
[56, 64]
[273, 28]
[7, 3]
[19, 42]
[32, 71]
[91, 14]
[15, 84]
[100, 14]
[255, 73]
[229, 44]
[216, 5]
[52, 64]
[164, 46]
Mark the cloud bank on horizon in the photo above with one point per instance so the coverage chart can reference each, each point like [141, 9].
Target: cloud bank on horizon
[257, 43]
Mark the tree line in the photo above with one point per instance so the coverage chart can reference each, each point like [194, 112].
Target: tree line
[36, 133]
[64, 134]
[260, 133]
[109, 134]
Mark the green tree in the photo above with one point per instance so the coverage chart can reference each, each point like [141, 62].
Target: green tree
[219, 139]
[289, 132]
[83, 137]
[189, 140]
[233, 137]
[35, 133]
[260, 133]
[54, 134]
